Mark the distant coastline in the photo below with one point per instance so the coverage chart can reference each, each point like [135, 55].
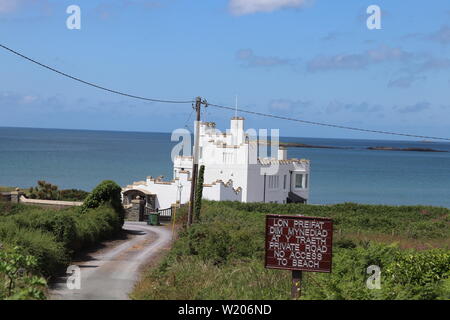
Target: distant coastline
[405, 149]
[379, 148]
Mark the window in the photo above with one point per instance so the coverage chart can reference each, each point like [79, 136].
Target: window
[284, 181]
[299, 181]
[200, 156]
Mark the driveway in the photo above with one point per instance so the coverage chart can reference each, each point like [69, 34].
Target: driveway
[112, 272]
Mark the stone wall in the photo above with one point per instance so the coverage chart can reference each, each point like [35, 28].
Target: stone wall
[50, 204]
[18, 197]
[5, 196]
[135, 211]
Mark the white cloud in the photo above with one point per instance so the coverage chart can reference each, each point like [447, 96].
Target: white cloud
[242, 7]
[357, 60]
[251, 60]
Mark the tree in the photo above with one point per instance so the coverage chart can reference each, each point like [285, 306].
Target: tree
[44, 191]
[47, 191]
[199, 193]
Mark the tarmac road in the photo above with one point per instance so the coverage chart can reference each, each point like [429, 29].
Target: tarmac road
[111, 273]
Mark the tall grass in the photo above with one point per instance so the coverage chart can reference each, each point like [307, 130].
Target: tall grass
[53, 236]
[222, 256]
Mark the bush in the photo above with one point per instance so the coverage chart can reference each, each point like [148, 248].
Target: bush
[9, 208]
[227, 247]
[48, 191]
[50, 254]
[44, 191]
[96, 225]
[16, 276]
[73, 195]
[59, 223]
[420, 268]
[210, 242]
[107, 192]
[50, 236]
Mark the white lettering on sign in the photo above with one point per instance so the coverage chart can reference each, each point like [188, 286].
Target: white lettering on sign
[299, 243]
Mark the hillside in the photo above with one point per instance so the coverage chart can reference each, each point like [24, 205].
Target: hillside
[222, 257]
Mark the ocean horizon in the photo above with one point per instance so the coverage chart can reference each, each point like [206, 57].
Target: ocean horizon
[75, 158]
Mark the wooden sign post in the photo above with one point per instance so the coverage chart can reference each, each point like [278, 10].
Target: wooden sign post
[298, 243]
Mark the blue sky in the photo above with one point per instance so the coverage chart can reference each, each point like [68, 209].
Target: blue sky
[314, 60]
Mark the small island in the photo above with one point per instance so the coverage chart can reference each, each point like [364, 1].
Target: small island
[301, 145]
[405, 149]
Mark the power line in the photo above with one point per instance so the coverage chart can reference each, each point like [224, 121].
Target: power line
[325, 124]
[219, 106]
[90, 83]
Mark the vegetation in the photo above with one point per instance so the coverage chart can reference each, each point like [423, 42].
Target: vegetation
[48, 191]
[107, 192]
[199, 193]
[6, 189]
[73, 195]
[227, 249]
[16, 272]
[46, 239]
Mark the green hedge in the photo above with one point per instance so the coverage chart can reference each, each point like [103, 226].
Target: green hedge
[107, 192]
[61, 224]
[96, 225]
[52, 236]
[51, 255]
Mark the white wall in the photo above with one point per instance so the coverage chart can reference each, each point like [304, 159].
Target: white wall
[233, 161]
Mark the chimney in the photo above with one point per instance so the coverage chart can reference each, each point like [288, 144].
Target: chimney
[282, 153]
[237, 130]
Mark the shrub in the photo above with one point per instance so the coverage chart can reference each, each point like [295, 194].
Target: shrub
[199, 193]
[49, 237]
[420, 268]
[96, 225]
[210, 242]
[50, 254]
[107, 192]
[44, 191]
[48, 191]
[73, 195]
[16, 276]
[59, 223]
[227, 247]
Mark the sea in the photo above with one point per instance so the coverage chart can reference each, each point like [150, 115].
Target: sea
[81, 159]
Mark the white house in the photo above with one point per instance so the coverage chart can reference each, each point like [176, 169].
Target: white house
[234, 171]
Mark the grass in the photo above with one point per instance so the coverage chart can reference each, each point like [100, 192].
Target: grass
[6, 189]
[222, 256]
[51, 237]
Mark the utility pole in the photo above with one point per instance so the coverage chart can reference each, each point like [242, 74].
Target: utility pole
[296, 284]
[198, 103]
